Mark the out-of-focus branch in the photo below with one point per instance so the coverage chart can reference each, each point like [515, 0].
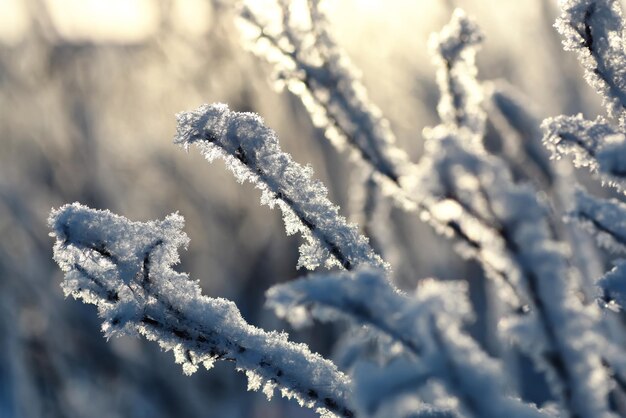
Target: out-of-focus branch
[427, 325]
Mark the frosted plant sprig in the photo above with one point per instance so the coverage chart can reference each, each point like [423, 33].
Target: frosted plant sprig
[315, 68]
[457, 180]
[252, 153]
[460, 108]
[427, 325]
[481, 186]
[560, 333]
[521, 148]
[594, 29]
[594, 144]
[604, 218]
[312, 66]
[300, 300]
[517, 128]
[125, 269]
[537, 271]
[380, 390]
[454, 52]
[454, 49]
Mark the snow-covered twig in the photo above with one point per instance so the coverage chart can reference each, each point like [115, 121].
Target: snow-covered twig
[595, 144]
[427, 325]
[594, 29]
[125, 269]
[252, 153]
[605, 218]
[537, 270]
[511, 118]
[454, 51]
[537, 273]
[312, 66]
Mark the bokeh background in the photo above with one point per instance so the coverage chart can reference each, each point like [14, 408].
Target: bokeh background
[88, 94]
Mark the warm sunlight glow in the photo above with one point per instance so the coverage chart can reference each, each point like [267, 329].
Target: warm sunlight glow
[14, 22]
[104, 21]
[191, 16]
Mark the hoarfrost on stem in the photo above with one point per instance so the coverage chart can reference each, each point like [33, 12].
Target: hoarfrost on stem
[427, 325]
[594, 29]
[564, 333]
[252, 153]
[604, 218]
[559, 332]
[595, 144]
[454, 51]
[125, 269]
[308, 61]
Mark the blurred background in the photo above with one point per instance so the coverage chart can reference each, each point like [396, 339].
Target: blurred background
[88, 94]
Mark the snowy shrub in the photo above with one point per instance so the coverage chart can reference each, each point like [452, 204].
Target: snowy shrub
[595, 30]
[406, 353]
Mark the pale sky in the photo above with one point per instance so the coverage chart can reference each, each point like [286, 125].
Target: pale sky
[101, 20]
[133, 20]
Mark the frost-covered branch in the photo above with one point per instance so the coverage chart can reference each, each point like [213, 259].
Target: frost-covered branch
[252, 153]
[311, 65]
[511, 118]
[462, 181]
[604, 218]
[594, 29]
[595, 144]
[427, 325]
[454, 177]
[537, 272]
[330, 294]
[516, 132]
[125, 269]
[454, 51]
